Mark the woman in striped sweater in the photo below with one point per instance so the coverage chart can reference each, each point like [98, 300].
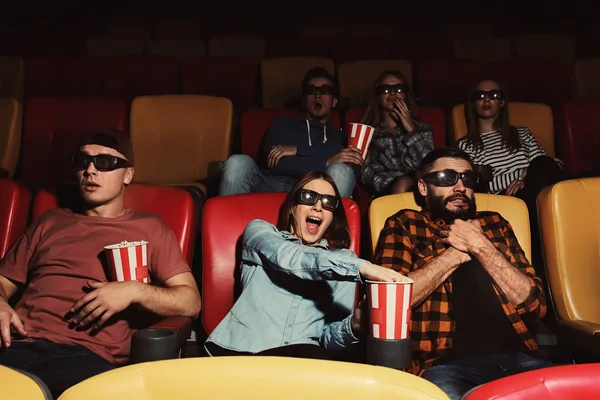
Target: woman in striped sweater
[520, 167]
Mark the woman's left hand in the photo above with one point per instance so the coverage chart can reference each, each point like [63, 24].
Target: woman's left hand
[514, 187]
[560, 163]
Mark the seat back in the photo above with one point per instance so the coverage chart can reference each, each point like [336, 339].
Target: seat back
[281, 78]
[12, 77]
[126, 77]
[175, 206]
[53, 127]
[108, 46]
[267, 378]
[234, 79]
[444, 83]
[182, 49]
[587, 79]
[62, 76]
[546, 46]
[579, 140]
[563, 382]
[514, 210]
[356, 78]
[535, 116]
[176, 137]
[10, 134]
[252, 47]
[22, 385]
[432, 115]
[15, 200]
[569, 214]
[223, 222]
[482, 48]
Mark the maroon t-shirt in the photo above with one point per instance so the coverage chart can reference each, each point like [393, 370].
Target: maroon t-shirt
[61, 252]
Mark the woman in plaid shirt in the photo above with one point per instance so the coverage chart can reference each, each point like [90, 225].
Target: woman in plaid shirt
[400, 141]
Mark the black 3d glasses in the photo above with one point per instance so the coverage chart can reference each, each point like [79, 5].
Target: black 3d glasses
[487, 95]
[102, 162]
[323, 90]
[387, 89]
[450, 177]
[310, 198]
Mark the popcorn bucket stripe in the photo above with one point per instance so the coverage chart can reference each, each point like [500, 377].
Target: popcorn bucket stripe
[116, 264]
[390, 310]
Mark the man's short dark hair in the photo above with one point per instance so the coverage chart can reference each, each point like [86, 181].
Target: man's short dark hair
[320, 72]
[444, 152]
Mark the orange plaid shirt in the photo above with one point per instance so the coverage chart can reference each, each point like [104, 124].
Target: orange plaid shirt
[410, 239]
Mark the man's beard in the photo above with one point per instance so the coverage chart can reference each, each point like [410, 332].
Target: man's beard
[438, 207]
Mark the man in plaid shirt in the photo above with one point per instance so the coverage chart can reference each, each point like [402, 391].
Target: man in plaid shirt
[476, 297]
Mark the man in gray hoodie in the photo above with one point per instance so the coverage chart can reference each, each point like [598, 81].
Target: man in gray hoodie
[291, 147]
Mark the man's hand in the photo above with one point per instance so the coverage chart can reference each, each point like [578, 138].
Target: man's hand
[348, 155]
[105, 300]
[374, 272]
[465, 236]
[8, 319]
[277, 152]
[359, 321]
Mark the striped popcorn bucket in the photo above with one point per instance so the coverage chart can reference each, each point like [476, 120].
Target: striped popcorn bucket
[128, 261]
[360, 137]
[389, 306]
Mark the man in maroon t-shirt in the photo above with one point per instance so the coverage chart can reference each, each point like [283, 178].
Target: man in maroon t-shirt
[71, 322]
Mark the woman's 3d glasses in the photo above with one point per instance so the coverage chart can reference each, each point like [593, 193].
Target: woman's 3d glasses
[387, 89]
[310, 198]
[487, 95]
[450, 177]
[102, 162]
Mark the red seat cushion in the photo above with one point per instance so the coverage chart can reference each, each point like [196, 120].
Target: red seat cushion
[175, 206]
[224, 221]
[564, 382]
[52, 128]
[15, 200]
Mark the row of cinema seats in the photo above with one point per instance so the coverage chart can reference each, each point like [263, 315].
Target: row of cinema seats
[179, 140]
[569, 226]
[274, 82]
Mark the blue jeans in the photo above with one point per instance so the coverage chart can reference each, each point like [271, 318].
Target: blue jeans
[60, 366]
[242, 175]
[456, 378]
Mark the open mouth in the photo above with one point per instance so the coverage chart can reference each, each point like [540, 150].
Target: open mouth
[318, 106]
[312, 224]
[460, 202]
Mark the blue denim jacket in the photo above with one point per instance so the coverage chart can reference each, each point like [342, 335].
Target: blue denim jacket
[292, 294]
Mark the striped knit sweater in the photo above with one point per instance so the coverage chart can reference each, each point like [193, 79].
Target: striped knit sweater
[506, 166]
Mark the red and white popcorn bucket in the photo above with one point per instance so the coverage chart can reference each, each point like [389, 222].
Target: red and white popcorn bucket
[128, 261]
[360, 137]
[389, 305]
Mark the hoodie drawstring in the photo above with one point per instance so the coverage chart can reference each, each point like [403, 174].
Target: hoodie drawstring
[308, 133]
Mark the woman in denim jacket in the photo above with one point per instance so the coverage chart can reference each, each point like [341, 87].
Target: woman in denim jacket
[299, 280]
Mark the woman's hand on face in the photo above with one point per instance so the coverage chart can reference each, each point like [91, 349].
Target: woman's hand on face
[376, 273]
[402, 113]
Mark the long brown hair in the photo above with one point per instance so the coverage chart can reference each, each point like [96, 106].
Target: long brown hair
[338, 233]
[509, 134]
[374, 113]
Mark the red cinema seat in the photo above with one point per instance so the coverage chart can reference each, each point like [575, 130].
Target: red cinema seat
[255, 123]
[223, 222]
[536, 81]
[565, 382]
[52, 128]
[234, 79]
[127, 77]
[175, 206]
[579, 140]
[432, 115]
[444, 83]
[15, 200]
[62, 76]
